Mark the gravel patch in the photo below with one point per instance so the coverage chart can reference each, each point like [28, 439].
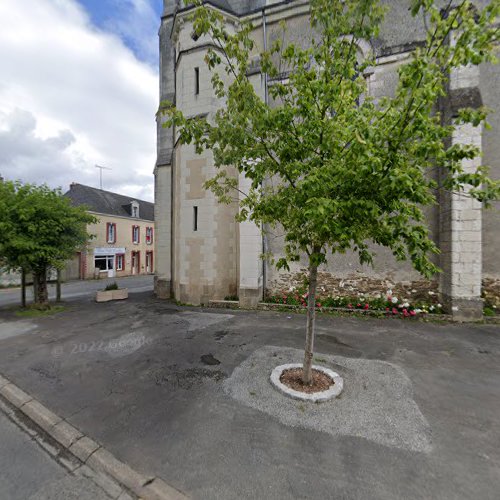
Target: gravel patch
[376, 403]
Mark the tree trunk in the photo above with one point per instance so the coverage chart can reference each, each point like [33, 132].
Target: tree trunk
[58, 286]
[42, 293]
[311, 318]
[23, 287]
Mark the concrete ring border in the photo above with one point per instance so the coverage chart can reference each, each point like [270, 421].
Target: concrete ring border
[317, 397]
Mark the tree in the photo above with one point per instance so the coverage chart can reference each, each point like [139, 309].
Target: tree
[334, 168]
[40, 230]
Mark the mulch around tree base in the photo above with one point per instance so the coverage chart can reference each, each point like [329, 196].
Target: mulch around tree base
[292, 378]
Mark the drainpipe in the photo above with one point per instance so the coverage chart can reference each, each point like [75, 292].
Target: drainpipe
[266, 100]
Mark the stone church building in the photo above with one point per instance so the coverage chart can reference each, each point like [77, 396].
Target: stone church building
[203, 254]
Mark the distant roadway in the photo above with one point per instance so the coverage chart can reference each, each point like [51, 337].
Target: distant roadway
[80, 288]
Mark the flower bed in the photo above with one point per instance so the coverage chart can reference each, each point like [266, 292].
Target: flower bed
[387, 304]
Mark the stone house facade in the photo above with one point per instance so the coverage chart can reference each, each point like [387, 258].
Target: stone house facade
[123, 237]
[203, 254]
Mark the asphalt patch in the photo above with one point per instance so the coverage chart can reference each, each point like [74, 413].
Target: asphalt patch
[208, 359]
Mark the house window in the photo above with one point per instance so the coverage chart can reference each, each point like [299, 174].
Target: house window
[104, 262]
[149, 236]
[196, 81]
[111, 232]
[120, 262]
[195, 218]
[136, 234]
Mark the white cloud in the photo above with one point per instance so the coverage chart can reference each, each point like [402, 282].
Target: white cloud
[132, 19]
[72, 96]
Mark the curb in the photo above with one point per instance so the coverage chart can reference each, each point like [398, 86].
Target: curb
[315, 397]
[272, 306]
[81, 452]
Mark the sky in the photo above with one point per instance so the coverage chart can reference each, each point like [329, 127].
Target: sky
[79, 88]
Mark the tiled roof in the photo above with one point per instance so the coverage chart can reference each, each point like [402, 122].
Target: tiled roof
[105, 202]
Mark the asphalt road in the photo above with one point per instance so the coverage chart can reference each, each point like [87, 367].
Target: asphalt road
[134, 376]
[79, 289]
[27, 472]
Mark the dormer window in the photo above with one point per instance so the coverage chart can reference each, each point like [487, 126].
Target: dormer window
[134, 209]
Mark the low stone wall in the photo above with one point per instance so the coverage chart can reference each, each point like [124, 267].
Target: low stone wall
[355, 285]
[491, 291]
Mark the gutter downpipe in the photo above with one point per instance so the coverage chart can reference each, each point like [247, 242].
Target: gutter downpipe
[266, 101]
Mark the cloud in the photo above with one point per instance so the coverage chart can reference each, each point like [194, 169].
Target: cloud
[72, 96]
[133, 20]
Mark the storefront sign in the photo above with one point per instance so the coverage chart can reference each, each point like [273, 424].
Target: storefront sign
[108, 251]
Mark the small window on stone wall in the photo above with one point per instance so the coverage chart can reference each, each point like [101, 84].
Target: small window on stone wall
[196, 81]
[195, 218]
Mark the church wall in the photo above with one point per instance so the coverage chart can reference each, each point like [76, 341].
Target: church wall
[210, 263]
[490, 90]
[205, 264]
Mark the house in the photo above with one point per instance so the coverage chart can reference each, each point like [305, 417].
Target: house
[123, 239]
[203, 254]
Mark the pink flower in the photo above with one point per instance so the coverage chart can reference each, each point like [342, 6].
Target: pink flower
[349, 306]
[394, 310]
[367, 307]
[318, 305]
[413, 313]
[359, 305]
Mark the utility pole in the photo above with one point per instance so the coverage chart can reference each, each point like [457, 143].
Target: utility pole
[100, 172]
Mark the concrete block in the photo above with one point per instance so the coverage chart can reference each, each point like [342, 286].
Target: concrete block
[159, 490]
[106, 462]
[15, 395]
[111, 487]
[40, 414]
[83, 448]
[65, 433]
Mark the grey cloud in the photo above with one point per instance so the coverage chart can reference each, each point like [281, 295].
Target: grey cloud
[86, 99]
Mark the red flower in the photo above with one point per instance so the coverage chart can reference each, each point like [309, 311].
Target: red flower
[367, 307]
[318, 305]
[413, 313]
[394, 310]
[359, 305]
[349, 306]
[387, 309]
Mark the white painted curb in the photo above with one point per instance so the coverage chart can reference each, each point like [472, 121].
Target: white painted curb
[318, 397]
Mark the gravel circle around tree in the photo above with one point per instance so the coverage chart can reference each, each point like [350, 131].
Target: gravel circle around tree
[376, 402]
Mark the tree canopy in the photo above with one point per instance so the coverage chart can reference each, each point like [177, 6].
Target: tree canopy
[40, 229]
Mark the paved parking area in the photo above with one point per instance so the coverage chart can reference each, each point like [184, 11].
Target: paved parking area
[149, 380]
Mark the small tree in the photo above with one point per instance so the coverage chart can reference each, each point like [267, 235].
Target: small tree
[40, 230]
[334, 168]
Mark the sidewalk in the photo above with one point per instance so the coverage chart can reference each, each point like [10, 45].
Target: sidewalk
[132, 376]
[28, 472]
